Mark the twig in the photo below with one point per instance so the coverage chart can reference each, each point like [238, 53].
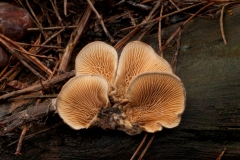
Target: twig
[54, 5]
[114, 17]
[44, 46]
[12, 76]
[160, 31]
[52, 28]
[147, 1]
[54, 70]
[33, 50]
[19, 145]
[65, 7]
[175, 57]
[74, 39]
[32, 97]
[174, 4]
[223, 1]
[221, 154]
[42, 86]
[37, 87]
[132, 19]
[9, 72]
[139, 147]
[146, 148]
[139, 5]
[54, 35]
[34, 55]
[101, 21]
[36, 19]
[4, 71]
[221, 24]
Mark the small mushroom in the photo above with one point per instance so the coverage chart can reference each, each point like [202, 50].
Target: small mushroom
[97, 58]
[136, 58]
[156, 100]
[80, 100]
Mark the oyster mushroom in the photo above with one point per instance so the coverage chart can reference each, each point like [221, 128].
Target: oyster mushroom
[147, 95]
[80, 100]
[97, 58]
[155, 100]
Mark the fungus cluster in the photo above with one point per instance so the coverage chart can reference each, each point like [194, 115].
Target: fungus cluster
[139, 92]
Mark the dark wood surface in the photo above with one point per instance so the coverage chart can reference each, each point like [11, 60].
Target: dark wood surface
[210, 72]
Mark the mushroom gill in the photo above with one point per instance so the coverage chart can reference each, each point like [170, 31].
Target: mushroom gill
[80, 100]
[156, 100]
[136, 58]
[97, 58]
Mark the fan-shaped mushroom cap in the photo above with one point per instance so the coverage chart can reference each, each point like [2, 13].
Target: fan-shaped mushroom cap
[156, 99]
[136, 58]
[97, 58]
[80, 100]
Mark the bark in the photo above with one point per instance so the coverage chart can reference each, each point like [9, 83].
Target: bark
[211, 122]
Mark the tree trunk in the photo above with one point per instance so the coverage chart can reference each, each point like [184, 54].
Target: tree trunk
[210, 72]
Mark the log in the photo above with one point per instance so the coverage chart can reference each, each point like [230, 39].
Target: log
[211, 122]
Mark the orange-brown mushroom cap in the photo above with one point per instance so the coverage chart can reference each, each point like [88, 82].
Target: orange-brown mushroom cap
[80, 100]
[136, 58]
[97, 58]
[156, 100]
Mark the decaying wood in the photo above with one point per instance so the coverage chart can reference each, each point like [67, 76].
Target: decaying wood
[25, 116]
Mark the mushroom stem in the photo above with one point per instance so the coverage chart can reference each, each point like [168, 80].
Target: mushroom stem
[115, 118]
